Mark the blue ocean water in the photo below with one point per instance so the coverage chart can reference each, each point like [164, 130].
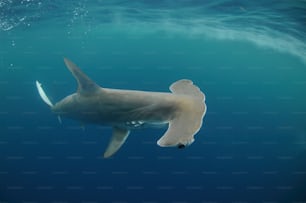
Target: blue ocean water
[248, 57]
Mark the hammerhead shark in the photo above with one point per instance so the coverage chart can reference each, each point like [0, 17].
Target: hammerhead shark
[125, 110]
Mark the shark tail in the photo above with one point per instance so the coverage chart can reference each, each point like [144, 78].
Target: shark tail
[43, 95]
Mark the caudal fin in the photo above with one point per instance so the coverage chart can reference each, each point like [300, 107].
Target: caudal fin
[42, 94]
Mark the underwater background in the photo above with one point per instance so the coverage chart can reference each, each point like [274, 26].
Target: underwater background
[248, 57]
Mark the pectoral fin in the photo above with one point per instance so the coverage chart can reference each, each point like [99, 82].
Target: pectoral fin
[118, 138]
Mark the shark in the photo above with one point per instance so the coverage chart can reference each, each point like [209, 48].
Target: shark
[183, 109]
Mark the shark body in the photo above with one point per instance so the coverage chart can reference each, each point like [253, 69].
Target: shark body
[124, 110]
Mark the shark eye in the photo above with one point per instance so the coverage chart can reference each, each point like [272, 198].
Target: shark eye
[181, 146]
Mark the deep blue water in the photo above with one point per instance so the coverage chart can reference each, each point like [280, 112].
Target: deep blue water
[248, 57]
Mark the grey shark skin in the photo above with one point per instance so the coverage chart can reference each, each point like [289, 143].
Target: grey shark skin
[125, 110]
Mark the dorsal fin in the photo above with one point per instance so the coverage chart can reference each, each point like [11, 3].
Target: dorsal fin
[85, 84]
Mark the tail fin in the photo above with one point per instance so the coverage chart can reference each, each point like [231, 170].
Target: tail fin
[42, 94]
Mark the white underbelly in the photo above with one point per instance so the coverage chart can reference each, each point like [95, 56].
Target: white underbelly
[141, 124]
